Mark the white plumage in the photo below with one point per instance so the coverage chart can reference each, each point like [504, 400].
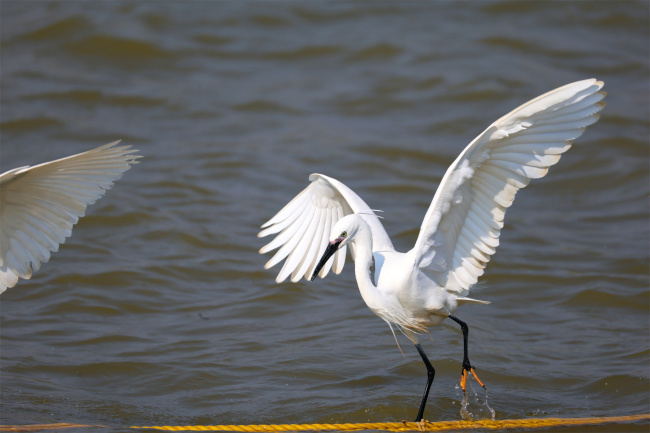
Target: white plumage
[40, 204]
[460, 231]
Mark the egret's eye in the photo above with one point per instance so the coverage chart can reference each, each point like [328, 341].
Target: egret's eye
[344, 234]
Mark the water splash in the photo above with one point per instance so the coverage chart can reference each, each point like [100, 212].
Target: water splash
[493, 414]
[482, 410]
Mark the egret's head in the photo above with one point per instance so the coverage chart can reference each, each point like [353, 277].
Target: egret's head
[343, 232]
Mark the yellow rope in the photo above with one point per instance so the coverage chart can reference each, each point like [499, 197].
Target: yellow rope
[412, 426]
[529, 423]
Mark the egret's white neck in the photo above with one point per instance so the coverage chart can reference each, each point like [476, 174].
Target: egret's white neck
[363, 261]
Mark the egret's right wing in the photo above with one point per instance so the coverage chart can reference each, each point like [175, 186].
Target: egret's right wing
[305, 224]
[461, 228]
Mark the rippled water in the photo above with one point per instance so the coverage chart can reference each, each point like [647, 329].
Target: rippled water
[158, 310]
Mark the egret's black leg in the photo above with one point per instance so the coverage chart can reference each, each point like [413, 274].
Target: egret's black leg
[467, 367]
[430, 375]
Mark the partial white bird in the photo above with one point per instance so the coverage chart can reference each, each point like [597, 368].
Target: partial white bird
[460, 231]
[40, 204]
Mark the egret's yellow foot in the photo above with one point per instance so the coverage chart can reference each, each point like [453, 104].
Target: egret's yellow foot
[464, 375]
[476, 377]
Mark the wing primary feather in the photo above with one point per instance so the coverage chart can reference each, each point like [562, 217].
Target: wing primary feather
[471, 247]
[533, 148]
[489, 206]
[320, 242]
[494, 175]
[37, 252]
[287, 227]
[529, 159]
[21, 257]
[491, 195]
[299, 250]
[40, 232]
[290, 208]
[592, 100]
[580, 122]
[501, 172]
[483, 224]
[303, 252]
[484, 248]
[290, 238]
[533, 135]
[569, 116]
[461, 273]
[520, 170]
[310, 256]
[471, 226]
[288, 217]
[472, 266]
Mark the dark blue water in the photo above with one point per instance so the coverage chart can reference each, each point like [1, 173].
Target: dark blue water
[157, 311]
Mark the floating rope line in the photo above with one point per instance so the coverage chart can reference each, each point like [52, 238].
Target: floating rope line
[529, 423]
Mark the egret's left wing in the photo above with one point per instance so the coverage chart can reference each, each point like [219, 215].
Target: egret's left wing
[40, 204]
[304, 225]
[461, 228]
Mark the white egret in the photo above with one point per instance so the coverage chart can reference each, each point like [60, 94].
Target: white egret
[460, 231]
[40, 204]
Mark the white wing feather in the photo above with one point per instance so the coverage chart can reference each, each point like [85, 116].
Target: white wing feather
[304, 226]
[462, 225]
[40, 204]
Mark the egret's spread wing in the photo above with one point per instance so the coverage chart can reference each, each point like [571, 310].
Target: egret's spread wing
[305, 224]
[40, 204]
[461, 228]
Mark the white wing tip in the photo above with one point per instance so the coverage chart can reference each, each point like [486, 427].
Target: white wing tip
[592, 81]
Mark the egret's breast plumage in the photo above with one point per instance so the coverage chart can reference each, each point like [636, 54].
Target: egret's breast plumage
[410, 291]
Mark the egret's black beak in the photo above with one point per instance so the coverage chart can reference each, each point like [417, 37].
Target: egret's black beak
[329, 252]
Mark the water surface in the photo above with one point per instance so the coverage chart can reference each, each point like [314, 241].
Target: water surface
[157, 311]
